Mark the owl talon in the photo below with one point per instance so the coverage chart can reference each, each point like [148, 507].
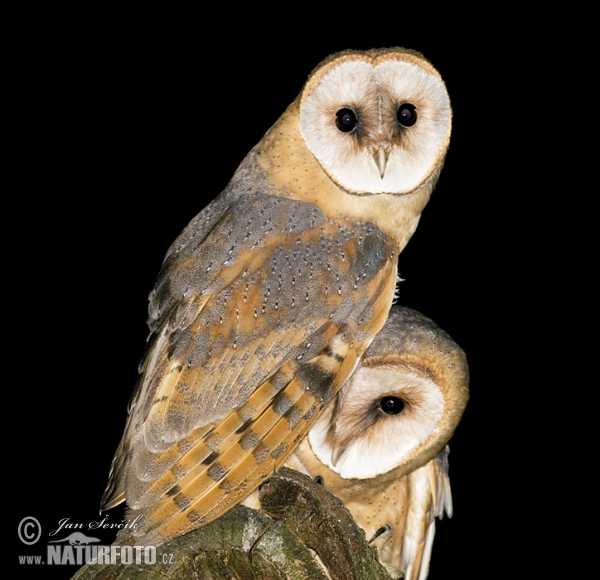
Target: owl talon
[385, 529]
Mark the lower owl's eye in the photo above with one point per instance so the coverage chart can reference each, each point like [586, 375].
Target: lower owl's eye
[391, 405]
[406, 115]
[345, 119]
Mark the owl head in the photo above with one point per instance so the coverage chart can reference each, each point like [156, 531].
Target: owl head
[364, 140]
[400, 407]
[377, 121]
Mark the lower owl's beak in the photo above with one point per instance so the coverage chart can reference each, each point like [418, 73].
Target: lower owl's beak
[337, 454]
[380, 155]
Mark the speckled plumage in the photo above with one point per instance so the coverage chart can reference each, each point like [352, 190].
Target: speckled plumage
[262, 309]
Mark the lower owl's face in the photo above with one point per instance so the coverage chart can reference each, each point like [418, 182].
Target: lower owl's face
[377, 124]
[377, 422]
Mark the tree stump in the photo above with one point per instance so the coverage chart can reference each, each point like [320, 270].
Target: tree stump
[305, 533]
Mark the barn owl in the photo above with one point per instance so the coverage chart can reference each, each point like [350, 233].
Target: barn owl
[380, 445]
[267, 300]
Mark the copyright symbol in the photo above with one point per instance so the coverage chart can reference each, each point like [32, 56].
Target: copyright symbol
[30, 530]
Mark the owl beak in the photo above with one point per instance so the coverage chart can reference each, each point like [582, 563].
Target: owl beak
[380, 155]
[337, 454]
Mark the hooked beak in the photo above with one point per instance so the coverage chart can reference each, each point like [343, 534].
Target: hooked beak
[380, 155]
[337, 454]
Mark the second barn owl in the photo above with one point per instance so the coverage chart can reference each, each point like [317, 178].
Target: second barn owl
[380, 445]
[267, 300]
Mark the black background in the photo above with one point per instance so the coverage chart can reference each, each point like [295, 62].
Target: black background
[129, 123]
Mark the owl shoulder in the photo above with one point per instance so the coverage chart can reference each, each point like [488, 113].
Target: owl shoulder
[234, 232]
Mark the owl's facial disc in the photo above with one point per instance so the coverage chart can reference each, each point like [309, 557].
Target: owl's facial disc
[382, 418]
[377, 125]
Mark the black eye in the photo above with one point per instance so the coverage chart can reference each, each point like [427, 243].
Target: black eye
[407, 115]
[345, 119]
[391, 405]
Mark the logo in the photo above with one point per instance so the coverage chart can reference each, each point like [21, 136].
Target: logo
[77, 548]
[92, 554]
[30, 530]
[76, 539]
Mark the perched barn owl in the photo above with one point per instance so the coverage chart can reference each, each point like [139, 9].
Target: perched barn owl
[380, 444]
[269, 297]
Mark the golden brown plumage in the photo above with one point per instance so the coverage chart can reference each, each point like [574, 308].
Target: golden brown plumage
[267, 300]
